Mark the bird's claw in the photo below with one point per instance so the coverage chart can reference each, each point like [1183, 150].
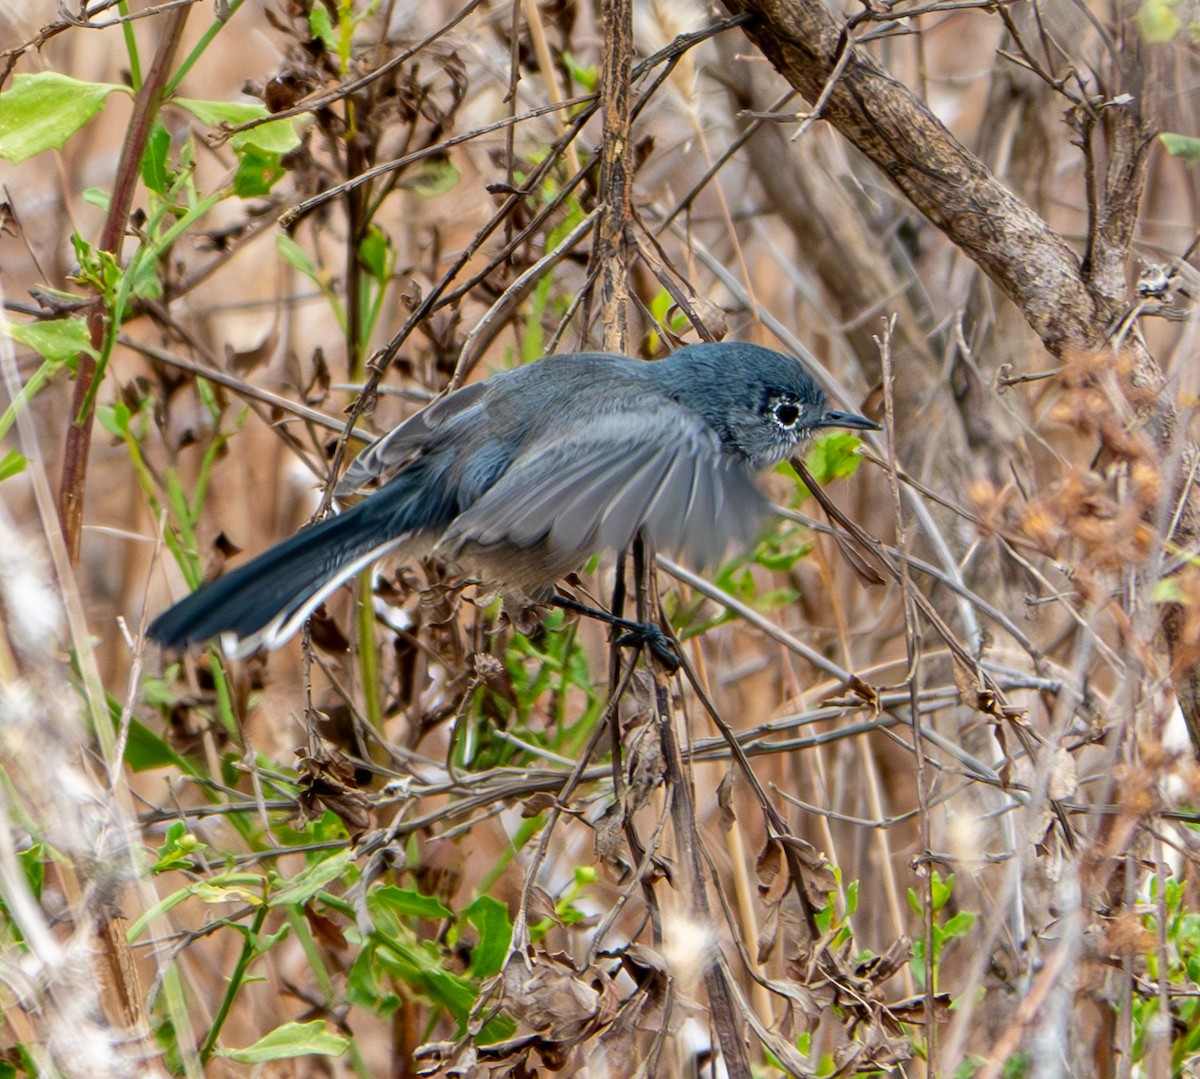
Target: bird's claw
[648, 635]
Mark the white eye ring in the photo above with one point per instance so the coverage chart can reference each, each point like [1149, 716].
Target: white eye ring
[786, 414]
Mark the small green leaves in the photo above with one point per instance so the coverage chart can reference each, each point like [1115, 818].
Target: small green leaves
[115, 418]
[297, 257]
[585, 76]
[954, 928]
[308, 882]
[42, 111]
[179, 849]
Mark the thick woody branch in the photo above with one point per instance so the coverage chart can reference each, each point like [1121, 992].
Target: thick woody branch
[1027, 259]
[1116, 196]
[616, 173]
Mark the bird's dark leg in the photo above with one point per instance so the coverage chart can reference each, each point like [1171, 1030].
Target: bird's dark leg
[634, 635]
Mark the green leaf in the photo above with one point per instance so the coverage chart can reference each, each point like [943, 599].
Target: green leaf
[98, 196]
[958, 926]
[163, 906]
[257, 172]
[834, 457]
[321, 26]
[436, 177]
[296, 256]
[305, 884]
[277, 137]
[917, 962]
[145, 750]
[374, 253]
[231, 888]
[781, 561]
[408, 903]
[490, 917]
[11, 464]
[115, 418]
[1184, 147]
[33, 862]
[59, 340]
[40, 112]
[587, 78]
[941, 889]
[155, 170]
[291, 1040]
[584, 875]
[142, 277]
[419, 965]
[363, 988]
[1157, 21]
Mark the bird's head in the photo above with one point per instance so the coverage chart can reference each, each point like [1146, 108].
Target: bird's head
[763, 404]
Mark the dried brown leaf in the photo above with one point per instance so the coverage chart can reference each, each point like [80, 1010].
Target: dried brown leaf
[609, 842]
[328, 781]
[727, 818]
[817, 876]
[646, 765]
[1063, 781]
[546, 995]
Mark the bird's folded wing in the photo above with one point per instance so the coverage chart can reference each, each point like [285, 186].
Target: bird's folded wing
[615, 475]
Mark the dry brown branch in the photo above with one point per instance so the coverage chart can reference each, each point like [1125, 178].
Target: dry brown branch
[1030, 263]
[616, 170]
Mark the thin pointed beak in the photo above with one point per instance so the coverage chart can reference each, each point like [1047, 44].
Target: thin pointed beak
[833, 418]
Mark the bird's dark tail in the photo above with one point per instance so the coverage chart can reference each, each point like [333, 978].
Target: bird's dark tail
[266, 601]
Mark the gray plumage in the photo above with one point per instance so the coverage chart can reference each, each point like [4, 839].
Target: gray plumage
[517, 480]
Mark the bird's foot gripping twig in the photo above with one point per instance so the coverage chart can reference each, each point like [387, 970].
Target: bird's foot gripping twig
[634, 634]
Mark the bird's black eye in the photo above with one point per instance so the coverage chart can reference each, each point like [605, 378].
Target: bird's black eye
[786, 414]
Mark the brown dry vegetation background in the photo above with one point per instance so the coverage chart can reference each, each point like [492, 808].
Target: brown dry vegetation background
[972, 699]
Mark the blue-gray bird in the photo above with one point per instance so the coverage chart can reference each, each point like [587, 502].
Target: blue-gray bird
[519, 479]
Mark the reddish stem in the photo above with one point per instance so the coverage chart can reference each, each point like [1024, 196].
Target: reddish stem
[79, 433]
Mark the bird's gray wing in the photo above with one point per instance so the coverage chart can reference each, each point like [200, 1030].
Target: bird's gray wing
[657, 468]
[392, 451]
